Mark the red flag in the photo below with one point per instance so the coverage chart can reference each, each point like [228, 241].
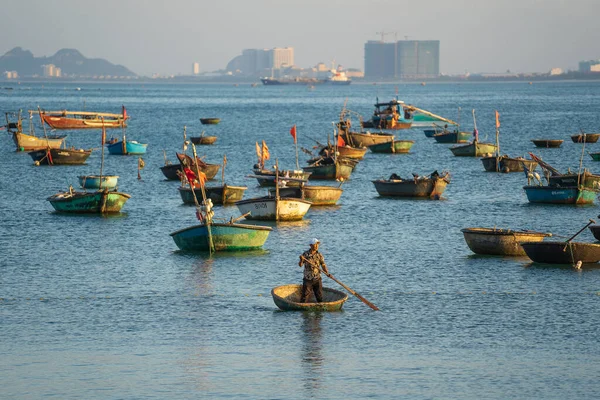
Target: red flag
[49, 154]
[293, 133]
[190, 175]
[125, 116]
[497, 120]
[340, 141]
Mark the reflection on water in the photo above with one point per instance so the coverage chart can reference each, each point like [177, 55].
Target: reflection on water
[201, 277]
[312, 358]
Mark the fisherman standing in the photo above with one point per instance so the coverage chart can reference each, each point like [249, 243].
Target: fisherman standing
[313, 262]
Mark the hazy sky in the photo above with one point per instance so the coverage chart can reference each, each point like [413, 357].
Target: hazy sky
[166, 37]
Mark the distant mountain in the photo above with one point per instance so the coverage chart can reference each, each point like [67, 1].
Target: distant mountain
[70, 61]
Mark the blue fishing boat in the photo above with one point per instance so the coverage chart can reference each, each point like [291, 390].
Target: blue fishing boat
[560, 195]
[99, 202]
[98, 181]
[391, 115]
[127, 147]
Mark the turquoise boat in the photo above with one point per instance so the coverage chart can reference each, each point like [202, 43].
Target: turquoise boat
[98, 181]
[595, 156]
[127, 147]
[98, 202]
[560, 195]
[225, 237]
[474, 149]
[395, 146]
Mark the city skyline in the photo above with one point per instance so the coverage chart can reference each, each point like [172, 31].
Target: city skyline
[520, 36]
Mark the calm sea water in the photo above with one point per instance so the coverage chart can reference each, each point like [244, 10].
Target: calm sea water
[106, 307]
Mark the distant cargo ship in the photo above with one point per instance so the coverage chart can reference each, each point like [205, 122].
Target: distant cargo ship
[336, 78]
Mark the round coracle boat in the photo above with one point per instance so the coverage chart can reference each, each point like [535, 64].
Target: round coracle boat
[287, 298]
[500, 242]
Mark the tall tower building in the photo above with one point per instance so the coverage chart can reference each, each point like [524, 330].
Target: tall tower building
[281, 57]
[404, 59]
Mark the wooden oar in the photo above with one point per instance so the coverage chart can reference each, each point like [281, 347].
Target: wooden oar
[367, 302]
[581, 230]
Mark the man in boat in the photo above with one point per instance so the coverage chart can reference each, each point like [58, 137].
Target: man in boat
[313, 263]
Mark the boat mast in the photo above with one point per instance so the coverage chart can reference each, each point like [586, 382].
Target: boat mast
[102, 152]
[208, 218]
[276, 189]
[497, 143]
[474, 132]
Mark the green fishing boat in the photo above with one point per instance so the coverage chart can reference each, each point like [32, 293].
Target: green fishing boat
[225, 237]
[98, 202]
[474, 149]
[395, 146]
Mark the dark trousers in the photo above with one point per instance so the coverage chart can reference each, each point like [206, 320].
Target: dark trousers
[310, 287]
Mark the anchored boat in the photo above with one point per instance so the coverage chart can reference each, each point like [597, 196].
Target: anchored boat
[287, 298]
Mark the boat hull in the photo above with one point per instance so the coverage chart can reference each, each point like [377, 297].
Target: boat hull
[225, 237]
[58, 122]
[560, 195]
[358, 139]
[99, 202]
[586, 138]
[317, 195]
[352, 152]
[204, 140]
[395, 146]
[453, 137]
[170, 171]
[30, 143]
[507, 164]
[217, 194]
[548, 143]
[210, 121]
[473, 150]
[264, 208]
[425, 188]
[60, 156]
[595, 156]
[500, 242]
[287, 298]
[595, 229]
[95, 181]
[329, 171]
[127, 148]
[562, 252]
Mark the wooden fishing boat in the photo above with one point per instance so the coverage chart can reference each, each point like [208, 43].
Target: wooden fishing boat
[366, 139]
[31, 142]
[317, 195]
[548, 143]
[170, 170]
[82, 119]
[432, 186]
[506, 164]
[331, 168]
[560, 195]
[500, 242]
[210, 121]
[287, 298]
[345, 151]
[390, 115]
[270, 208]
[127, 147]
[453, 137]
[266, 177]
[225, 237]
[98, 181]
[97, 202]
[204, 140]
[562, 252]
[585, 137]
[395, 146]
[473, 149]
[70, 156]
[26, 142]
[223, 194]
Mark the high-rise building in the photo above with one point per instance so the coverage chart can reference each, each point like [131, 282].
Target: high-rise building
[50, 70]
[404, 59]
[279, 58]
[195, 68]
